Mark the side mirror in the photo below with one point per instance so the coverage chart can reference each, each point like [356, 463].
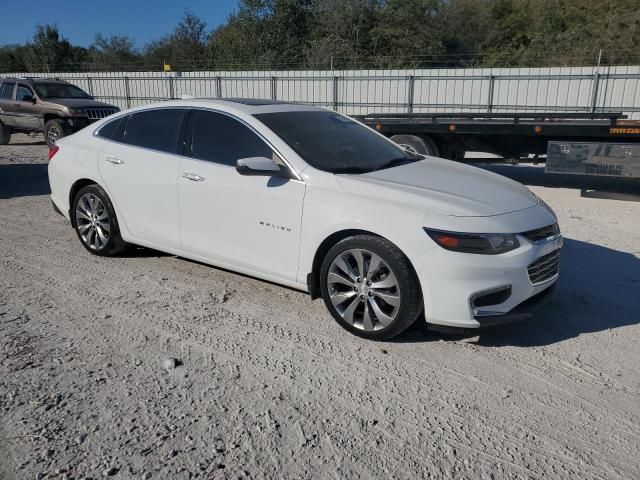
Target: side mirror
[28, 98]
[260, 166]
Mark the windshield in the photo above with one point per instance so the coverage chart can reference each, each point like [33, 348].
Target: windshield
[59, 90]
[334, 143]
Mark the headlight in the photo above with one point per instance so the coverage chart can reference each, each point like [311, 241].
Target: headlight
[76, 111]
[481, 243]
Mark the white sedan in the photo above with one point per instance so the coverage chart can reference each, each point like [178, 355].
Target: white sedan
[313, 200]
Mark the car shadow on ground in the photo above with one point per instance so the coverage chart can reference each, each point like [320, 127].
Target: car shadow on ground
[135, 251]
[532, 175]
[23, 144]
[598, 290]
[23, 180]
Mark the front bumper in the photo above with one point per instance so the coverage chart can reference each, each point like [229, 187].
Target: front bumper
[521, 312]
[451, 280]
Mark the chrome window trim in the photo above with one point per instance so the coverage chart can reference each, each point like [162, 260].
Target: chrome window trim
[95, 133]
[256, 132]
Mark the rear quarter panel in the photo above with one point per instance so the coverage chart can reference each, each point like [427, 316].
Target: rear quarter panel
[76, 159]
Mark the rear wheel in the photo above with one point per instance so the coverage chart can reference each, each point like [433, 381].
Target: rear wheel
[96, 223]
[370, 288]
[5, 134]
[54, 130]
[421, 145]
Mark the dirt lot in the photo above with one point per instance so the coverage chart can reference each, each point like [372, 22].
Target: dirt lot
[271, 387]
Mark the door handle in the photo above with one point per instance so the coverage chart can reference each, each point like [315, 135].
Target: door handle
[193, 177]
[114, 160]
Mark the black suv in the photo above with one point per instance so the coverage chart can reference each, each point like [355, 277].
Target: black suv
[49, 105]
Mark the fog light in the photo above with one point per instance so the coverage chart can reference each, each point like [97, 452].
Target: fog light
[495, 296]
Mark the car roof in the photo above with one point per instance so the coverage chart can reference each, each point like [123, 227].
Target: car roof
[34, 80]
[251, 106]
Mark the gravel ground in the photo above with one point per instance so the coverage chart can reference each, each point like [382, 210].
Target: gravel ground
[267, 385]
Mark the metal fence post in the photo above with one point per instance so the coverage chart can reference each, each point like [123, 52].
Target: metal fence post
[90, 85]
[126, 91]
[490, 93]
[335, 93]
[218, 87]
[594, 96]
[274, 92]
[171, 92]
[410, 91]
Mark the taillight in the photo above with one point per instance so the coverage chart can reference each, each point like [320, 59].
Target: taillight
[52, 151]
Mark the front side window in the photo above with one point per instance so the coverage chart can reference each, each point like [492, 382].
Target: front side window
[334, 143]
[22, 92]
[6, 90]
[157, 129]
[221, 139]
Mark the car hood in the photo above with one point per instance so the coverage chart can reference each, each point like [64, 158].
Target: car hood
[443, 187]
[79, 103]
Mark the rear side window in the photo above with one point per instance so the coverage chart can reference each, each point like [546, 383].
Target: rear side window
[221, 139]
[6, 90]
[155, 129]
[109, 129]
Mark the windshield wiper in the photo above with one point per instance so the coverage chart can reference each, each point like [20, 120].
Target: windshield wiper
[395, 163]
[351, 170]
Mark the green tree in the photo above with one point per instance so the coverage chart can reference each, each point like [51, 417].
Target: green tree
[183, 49]
[409, 33]
[113, 53]
[264, 33]
[342, 33]
[50, 52]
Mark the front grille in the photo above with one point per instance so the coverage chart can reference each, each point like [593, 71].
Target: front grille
[544, 268]
[98, 113]
[541, 234]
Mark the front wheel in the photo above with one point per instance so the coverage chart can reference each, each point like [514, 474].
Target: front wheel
[54, 130]
[370, 287]
[96, 223]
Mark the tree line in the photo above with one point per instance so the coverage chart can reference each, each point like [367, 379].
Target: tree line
[322, 34]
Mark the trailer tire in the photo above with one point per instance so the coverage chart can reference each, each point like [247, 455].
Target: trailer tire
[421, 145]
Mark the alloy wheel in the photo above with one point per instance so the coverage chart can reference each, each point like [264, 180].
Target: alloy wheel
[363, 289]
[92, 221]
[54, 134]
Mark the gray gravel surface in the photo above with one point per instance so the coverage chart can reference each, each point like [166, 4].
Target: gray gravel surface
[152, 366]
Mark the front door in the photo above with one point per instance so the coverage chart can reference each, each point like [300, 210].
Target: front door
[26, 111]
[7, 107]
[246, 221]
[140, 169]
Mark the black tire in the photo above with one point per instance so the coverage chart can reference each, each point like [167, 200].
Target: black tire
[421, 145]
[54, 130]
[410, 301]
[114, 243]
[5, 134]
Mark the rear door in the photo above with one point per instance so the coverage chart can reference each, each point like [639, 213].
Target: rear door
[247, 221]
[26, 111]
[7, 108]
[139, 166]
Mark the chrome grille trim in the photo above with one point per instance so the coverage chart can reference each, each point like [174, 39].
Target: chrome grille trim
[544, 234]
[544, 268]
[98, 113]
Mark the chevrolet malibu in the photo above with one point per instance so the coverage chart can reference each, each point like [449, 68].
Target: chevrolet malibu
[313, 200]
